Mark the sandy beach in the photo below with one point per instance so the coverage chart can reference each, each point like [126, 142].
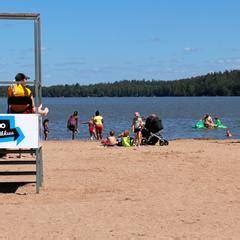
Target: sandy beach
[187, 190]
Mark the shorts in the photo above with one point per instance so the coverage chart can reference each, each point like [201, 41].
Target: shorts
[99, 128]
[91, 129]
[45, 132]
[136, 130]
[72, 128]
[28, 110]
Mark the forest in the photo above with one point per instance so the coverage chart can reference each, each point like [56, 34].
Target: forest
[225, 83]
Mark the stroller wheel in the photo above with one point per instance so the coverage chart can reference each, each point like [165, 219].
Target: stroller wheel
[166, 142]
[161, 142]
[144, 141]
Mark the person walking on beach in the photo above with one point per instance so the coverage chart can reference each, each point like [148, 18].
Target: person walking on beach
[137, 125]
[72, 124]
[98, 121]
[45, 129]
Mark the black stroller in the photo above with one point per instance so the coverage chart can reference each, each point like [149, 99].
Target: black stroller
[151, 133]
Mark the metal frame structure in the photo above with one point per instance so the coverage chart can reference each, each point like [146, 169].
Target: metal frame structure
[35, 17]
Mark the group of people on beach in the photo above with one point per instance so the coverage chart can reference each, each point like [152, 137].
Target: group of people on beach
[20, 100]
[96, 126]
[124, 139]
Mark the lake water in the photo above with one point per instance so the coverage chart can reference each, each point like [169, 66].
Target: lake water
[178, 114]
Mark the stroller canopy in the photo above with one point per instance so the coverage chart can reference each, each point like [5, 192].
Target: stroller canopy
[153, 123]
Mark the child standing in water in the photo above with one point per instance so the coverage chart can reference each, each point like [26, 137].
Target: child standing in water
[91, 129]
[228, 133]
[45, 129]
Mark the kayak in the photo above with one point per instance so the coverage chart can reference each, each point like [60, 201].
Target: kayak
[200, 125]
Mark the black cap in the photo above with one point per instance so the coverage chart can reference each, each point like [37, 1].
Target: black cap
[20, 77]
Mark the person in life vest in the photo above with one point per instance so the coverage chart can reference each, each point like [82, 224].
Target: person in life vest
[125, 139]
[72, 124]
[20, 98]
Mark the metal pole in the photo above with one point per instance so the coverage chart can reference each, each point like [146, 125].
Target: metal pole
[38, 170]
[37, 51]
[38, 78]
[41, 167]
[19, 16]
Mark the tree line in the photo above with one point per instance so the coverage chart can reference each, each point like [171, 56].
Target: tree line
[225, 83]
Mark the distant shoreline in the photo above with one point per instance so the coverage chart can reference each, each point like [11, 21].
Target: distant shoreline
[225, 83]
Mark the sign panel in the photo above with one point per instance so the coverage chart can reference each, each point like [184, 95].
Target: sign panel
[19, 131]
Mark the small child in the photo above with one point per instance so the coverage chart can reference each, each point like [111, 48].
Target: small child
[45, 129]
[126, 140]
[91, 129]
[111, 140]
[228, 133]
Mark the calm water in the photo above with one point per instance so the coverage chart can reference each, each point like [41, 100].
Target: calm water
[178, 114]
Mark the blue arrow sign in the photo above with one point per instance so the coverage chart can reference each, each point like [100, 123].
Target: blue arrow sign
[8, 131]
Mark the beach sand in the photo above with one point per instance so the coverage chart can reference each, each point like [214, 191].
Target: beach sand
[187, 190]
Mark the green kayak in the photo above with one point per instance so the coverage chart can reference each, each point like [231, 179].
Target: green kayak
[200, 125]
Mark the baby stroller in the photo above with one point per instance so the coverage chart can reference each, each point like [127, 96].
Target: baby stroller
[151, 133]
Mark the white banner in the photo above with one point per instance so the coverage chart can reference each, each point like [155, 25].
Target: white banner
[19, 131]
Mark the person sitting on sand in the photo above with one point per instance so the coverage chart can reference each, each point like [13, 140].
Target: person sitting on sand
[126, 140]
[208, 122]
[110, 140]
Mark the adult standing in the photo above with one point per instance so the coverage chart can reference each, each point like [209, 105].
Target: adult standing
[72, 124]
[98, 121]
[137, 125]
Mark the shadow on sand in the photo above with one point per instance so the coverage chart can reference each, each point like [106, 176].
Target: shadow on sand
[11, 187]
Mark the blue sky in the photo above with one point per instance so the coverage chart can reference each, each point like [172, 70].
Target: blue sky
[105, 41]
